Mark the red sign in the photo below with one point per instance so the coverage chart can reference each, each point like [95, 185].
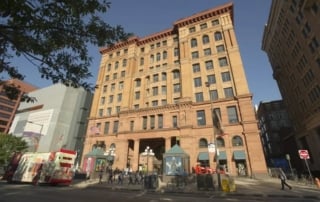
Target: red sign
[304, 154]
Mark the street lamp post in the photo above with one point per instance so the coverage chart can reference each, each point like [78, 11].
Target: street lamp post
[148, 152]
[40, 133]
[214, 127]
[110, 156]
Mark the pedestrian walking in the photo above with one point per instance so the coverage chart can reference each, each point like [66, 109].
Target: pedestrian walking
[283, 179]
[100, 175]
[110, 177]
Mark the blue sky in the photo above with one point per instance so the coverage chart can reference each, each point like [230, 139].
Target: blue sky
[145, 17]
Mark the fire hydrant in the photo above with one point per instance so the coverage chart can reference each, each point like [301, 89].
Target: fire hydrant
[317, 181]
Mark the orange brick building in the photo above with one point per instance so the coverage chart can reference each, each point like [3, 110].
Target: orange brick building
[159, 90]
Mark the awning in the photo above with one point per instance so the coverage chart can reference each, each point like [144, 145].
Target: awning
[203, 156]
[239, 155]
[222, 155]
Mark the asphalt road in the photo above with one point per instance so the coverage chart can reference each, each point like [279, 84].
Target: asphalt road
[26, 193]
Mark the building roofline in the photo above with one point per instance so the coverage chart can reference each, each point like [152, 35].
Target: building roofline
[216, 11]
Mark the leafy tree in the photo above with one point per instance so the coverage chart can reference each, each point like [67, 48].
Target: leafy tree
[54, 37]
[10, 144]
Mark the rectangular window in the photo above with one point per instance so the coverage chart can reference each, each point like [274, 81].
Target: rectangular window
[174, 121]
[136, 106]
[152, 121]
[207, 51]
[155, 78]
[176, 52]
[102, 101]
[223, 62]
[160, 121]
[220, 48]
[213, 95]
[106, 127]
[228, 92]
[123, 74]
[163, 102]
[197, 82]
[113, 87]
[232, 114]
[138, 83]
[109, 110]
[215, 22]
[119, 98]
[155, 91]
[155, 103]
[131, 126]
[203, 26]
[209, 64]
[115, 126]
[192, 29]
[107, 78]
[201, 118]
[225, 76]
[199, 97]
[163, 90]
[195, 55]
[120, 85]
[137, 95]
[110, 98]
[105, 88]
[144, 122]
[196, 68]
[100, 112]
[176, 88]
[211, 79]
[124, 62]
[164, 76]
[117, 109]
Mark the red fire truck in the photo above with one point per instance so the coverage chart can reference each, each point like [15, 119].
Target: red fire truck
[50, 167]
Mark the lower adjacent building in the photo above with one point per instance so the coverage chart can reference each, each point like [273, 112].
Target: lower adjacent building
[8, 107]
[173, 88]
[291, 40]
[277, 137]
[56, 119]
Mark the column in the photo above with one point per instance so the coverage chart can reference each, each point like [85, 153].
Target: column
[135, 160]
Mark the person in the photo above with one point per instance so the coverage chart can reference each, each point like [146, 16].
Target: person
[110, 177]
[100, 175]
[283, 179]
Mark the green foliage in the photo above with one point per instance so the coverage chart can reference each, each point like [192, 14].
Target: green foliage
[54, 37]
[8, 145]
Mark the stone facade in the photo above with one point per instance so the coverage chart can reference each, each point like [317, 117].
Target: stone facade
[153, 92]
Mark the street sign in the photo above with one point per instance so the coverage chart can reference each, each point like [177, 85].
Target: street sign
[211, 148]
[304, 154]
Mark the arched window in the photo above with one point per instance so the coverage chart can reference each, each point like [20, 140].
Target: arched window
[194, 43]
[237, 141]
[113, 145]
[220, 142]
[205, 39]
[217, 36]
[203, 143]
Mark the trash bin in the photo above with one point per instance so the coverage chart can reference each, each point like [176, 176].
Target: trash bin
[204, 181]
[150, 182]
[225, 185]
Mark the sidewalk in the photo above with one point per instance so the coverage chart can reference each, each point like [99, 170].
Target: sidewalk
[268, 187]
